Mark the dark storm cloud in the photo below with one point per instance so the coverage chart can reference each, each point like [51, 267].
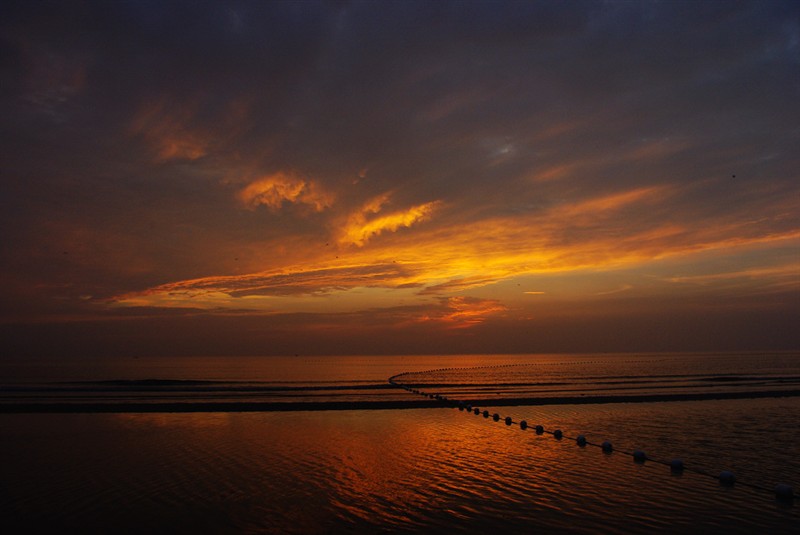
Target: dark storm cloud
[335, 88]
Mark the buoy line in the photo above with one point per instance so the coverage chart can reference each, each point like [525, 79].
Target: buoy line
[782, 491]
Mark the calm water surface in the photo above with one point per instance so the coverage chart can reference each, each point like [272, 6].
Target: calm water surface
[362, 381]
[414, 470]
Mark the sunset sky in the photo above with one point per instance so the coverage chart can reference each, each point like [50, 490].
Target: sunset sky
[399, 177]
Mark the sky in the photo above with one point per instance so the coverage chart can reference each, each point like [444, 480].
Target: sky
[222, 178]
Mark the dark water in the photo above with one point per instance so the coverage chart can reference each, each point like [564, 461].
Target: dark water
[414, 470]
[361, 382]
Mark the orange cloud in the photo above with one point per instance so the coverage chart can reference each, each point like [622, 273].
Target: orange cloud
[459, 312]
[167, 128]
[465, 311]
[298, 281]
[360, 228]
[611, 202]
[453, 257]
[786, 275]
[556, 172]
[274, 190]
[457, 285]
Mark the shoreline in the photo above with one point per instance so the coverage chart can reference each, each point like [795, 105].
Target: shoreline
[215, 407]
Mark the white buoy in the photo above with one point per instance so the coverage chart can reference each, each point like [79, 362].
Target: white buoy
[784, 492]
[727, 478]
[581, 440]
[676, 465]
[558, 434]
[607, 446]
[639, 456]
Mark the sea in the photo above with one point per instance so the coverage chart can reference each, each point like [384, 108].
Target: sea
[551, 443]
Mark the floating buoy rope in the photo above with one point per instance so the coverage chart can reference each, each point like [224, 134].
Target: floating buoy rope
[782, 491]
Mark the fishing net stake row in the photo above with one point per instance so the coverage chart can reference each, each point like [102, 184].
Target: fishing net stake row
[782, 491]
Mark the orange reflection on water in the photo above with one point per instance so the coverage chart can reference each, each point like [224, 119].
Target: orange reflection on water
[201, 420]
[356, 471]
[432, 462]
[360, 466]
